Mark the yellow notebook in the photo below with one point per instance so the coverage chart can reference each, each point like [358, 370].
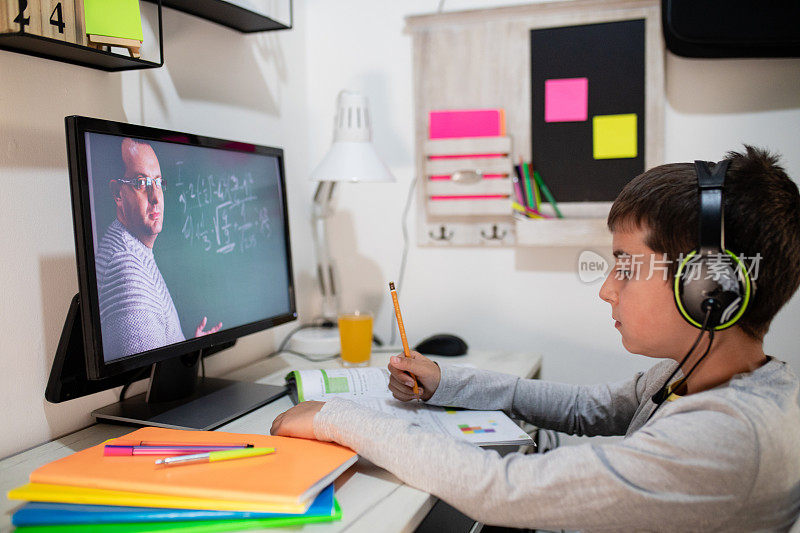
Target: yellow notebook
[40, 492]
[293, 475]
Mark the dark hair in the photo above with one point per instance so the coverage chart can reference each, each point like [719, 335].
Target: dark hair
[762, 219]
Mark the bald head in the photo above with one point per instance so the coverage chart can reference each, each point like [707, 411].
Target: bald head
[140, 210]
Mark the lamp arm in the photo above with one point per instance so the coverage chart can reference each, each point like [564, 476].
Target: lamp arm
[325, 270]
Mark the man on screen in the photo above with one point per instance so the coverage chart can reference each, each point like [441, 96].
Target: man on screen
[136, 310]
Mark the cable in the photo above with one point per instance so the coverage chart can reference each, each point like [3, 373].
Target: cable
[307, 357]
[136, 377]
[404, 258]
[661, 395]
[708, 349]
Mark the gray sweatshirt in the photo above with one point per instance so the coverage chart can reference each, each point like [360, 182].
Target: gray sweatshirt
[136, 310]
[726, 459]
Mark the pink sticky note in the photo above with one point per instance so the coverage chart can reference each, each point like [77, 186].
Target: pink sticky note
[467, 123]
[566, 100]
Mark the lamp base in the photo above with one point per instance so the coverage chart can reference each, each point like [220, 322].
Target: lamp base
[316, 341]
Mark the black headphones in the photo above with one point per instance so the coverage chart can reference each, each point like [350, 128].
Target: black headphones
[712, 287]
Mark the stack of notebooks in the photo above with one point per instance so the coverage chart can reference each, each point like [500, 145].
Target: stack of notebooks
[89, 491]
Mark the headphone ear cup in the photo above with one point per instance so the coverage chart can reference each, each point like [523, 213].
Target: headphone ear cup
[712, 282]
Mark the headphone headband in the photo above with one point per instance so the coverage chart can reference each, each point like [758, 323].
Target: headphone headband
[712, 219]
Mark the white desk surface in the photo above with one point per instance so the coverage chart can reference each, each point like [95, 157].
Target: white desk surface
[368, 495]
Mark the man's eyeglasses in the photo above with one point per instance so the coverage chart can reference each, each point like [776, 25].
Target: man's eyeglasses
[142, 183]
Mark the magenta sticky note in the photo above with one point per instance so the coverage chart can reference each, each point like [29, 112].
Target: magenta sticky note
[466, 123]
[566, 100]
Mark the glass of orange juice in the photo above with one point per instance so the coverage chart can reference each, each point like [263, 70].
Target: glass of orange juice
[355, 336]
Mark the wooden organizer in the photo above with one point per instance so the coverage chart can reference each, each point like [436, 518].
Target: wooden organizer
[467, 199]
[482, 59]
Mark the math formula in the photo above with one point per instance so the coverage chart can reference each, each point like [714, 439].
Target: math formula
[221, 214]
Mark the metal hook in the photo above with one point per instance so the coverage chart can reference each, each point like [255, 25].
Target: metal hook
[444, 235]
[494, 236]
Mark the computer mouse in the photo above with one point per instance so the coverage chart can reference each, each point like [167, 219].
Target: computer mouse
[442, 344]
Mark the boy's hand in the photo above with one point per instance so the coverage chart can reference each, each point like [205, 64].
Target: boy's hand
[402, 385]
[297, 421]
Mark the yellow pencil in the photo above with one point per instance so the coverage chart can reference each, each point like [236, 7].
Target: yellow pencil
[403, 338]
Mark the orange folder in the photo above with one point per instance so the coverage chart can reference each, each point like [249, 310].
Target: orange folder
[297, 471]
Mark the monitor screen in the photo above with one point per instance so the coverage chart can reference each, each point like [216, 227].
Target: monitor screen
[184, 242]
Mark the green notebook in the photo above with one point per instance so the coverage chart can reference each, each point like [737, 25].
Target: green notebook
[114, 18]
[196, 526]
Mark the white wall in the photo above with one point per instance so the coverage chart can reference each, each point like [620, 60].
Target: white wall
[525, 298]
[215, 82]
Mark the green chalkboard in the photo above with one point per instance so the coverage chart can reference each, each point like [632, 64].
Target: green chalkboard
[222, 248]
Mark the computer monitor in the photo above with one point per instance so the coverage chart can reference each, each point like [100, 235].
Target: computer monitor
[182, 246]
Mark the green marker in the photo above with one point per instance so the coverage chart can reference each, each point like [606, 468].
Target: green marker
[210, 457]
[547, 193]
[528, 187]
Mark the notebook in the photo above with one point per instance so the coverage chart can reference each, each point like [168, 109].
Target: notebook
[293, 475]
[47, 513]
[369, 386]
[199, 526]
[40, 492]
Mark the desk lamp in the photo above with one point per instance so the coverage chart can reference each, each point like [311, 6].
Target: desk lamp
[352, 158]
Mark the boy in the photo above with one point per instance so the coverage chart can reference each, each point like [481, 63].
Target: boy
[718, 449]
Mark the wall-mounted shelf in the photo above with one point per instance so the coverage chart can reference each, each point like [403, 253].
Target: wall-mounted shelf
[38, 46]
[77, 53]
[584, 225]
[493, 47]
[230, 15]
[563, 232]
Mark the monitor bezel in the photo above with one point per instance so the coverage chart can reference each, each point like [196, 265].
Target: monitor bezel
[96, 366]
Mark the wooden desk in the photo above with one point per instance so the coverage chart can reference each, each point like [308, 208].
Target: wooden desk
[368, 494]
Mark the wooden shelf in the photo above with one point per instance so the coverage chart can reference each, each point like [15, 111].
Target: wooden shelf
[563, 232]
[77, 54]
[229, 15]
[584, 225]
[35, 45]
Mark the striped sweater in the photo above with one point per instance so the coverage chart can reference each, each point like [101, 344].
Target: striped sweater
[136, 310]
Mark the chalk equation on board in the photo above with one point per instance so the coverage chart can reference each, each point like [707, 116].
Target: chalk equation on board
[221, 214]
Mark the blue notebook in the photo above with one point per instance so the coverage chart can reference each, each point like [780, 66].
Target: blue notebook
[46, 513]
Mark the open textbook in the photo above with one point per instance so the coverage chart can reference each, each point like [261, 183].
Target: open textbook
[370, 387]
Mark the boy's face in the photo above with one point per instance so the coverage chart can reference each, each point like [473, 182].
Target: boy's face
[639, 290]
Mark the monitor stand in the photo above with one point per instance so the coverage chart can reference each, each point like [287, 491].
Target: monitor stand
[212, 402]
[176, 398]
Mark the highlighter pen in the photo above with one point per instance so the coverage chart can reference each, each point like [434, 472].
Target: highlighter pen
[117, 450]
[211, 457]
[123, 442]
[403, 338]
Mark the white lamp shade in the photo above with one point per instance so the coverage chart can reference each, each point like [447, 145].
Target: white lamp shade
[352, 156]
[352, 161]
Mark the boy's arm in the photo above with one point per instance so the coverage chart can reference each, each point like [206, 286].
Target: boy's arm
[664, 476]
[575, 409]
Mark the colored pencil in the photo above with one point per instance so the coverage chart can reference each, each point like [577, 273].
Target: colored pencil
[538, 178]
[528, 188]
[535, 184]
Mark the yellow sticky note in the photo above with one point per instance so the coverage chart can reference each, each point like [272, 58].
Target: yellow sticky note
[114, 18]
[614, 136]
